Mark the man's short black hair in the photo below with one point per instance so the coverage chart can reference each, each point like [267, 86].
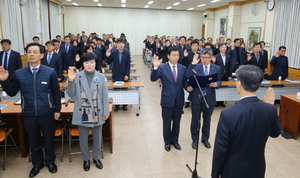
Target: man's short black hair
[262, 42]
[172, 48]
[88, 57]
[49, 42]
[120, 40]
[250, 77]
[67, 37]
[237, 39]
[282, 47]
[182, 37]
[6, 41]
[228, 39]
[58, 36]
[209, 44]
[55, 41]
[35, 37]
[42, 48]
[195, 42]
[257, 44]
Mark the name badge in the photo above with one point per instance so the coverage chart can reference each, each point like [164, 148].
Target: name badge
[43, 82]
[210, 78]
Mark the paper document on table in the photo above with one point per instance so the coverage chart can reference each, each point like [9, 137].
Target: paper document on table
[119, 83]
[2, 106]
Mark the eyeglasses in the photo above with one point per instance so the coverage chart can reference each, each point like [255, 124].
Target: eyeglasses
[205, 57]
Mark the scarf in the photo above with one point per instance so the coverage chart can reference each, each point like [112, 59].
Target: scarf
[89, 112]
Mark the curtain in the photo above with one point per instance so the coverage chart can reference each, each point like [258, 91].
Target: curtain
[29, 19]
[54, 19]
[44, 21]
[286, 29]
[10, 13]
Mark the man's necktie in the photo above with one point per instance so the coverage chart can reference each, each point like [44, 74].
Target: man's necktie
[34, 71]
[205, 71]
[257, 57]
[49, 58]
[5, 61]
[67, 48]
[174, 74]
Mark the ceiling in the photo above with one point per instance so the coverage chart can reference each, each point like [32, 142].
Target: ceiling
[161, 4]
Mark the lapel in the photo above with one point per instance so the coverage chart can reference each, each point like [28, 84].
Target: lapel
[254, 58]
[54, 55]
[1, 56]
[85, 85]
[211, 69]
[169, 71]
[201, 70]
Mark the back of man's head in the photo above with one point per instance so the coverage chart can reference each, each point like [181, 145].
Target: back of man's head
[250, 77]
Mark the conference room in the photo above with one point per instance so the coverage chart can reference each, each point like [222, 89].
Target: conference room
[132, 139]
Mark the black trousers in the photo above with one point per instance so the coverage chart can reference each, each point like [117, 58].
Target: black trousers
[197, 109]
[171, 124]
[34, 126]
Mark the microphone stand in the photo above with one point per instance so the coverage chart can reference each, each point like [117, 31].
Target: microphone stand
[201, 96]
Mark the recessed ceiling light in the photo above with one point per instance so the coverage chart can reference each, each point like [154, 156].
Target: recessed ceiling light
[68, 0]
[75, 4]
[150, 2]
[189, 9]
[214, 1]
[96, 0]
[99, 4]
[146, 6]
[201, 5]
[123, 5]
[183, 0]
[169, 7]
[123, 1]
[176, 3]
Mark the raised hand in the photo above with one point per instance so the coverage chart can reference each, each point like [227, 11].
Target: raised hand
[196, 59]
[249, 57]
[185, 53]
[155, 61]
[270, 96]
[77, 57]
[71, 74]
[108, 52]
[277, 54]
[3, 74]
[232, 46]
[213, 59]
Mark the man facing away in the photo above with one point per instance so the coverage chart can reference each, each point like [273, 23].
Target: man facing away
[244, 128]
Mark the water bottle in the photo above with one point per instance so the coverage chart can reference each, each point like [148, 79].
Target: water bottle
[3, 96]
[279, 78]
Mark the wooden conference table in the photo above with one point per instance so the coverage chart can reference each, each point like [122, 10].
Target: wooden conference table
[12, 114]
[289, 114]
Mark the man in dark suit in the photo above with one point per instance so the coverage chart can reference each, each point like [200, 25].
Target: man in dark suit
[100, 47]
[82, 43]
[182, 46]
[121, 61]
[172, 76]
[264, 54]
[238, 54]
[256, 58]
[9, 59]
[280, 63]
[62, 53]
[70, 52]
[224, 61]
[244, 128]
[53, 60]
[156, 47]
[198, 106]
[189, 56]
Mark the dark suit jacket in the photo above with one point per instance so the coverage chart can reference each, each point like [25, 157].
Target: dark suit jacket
[225, 70]
[70, 55]
[14, 62]
[264, 55]
[241, 136]
[56, 63]
[120, 70]
[281, 67]
[102, 51]
[253, 61]
[233, 54]
[186, 61]
[153, 49]
[63, 54]
[181, 51]
[171, 91]
[210, 92]
[80, 47]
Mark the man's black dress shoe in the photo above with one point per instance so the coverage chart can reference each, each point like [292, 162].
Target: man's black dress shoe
[125, 108]
[167, 147]
[177, 146]
[86, 165]
[35, 170]
[223, 105]
[194, 145]
[187, 104]
[98, 163]
[52, 167]
[116, 108]
[206, 144]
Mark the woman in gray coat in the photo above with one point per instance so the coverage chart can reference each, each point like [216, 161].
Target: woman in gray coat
[88, 88]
